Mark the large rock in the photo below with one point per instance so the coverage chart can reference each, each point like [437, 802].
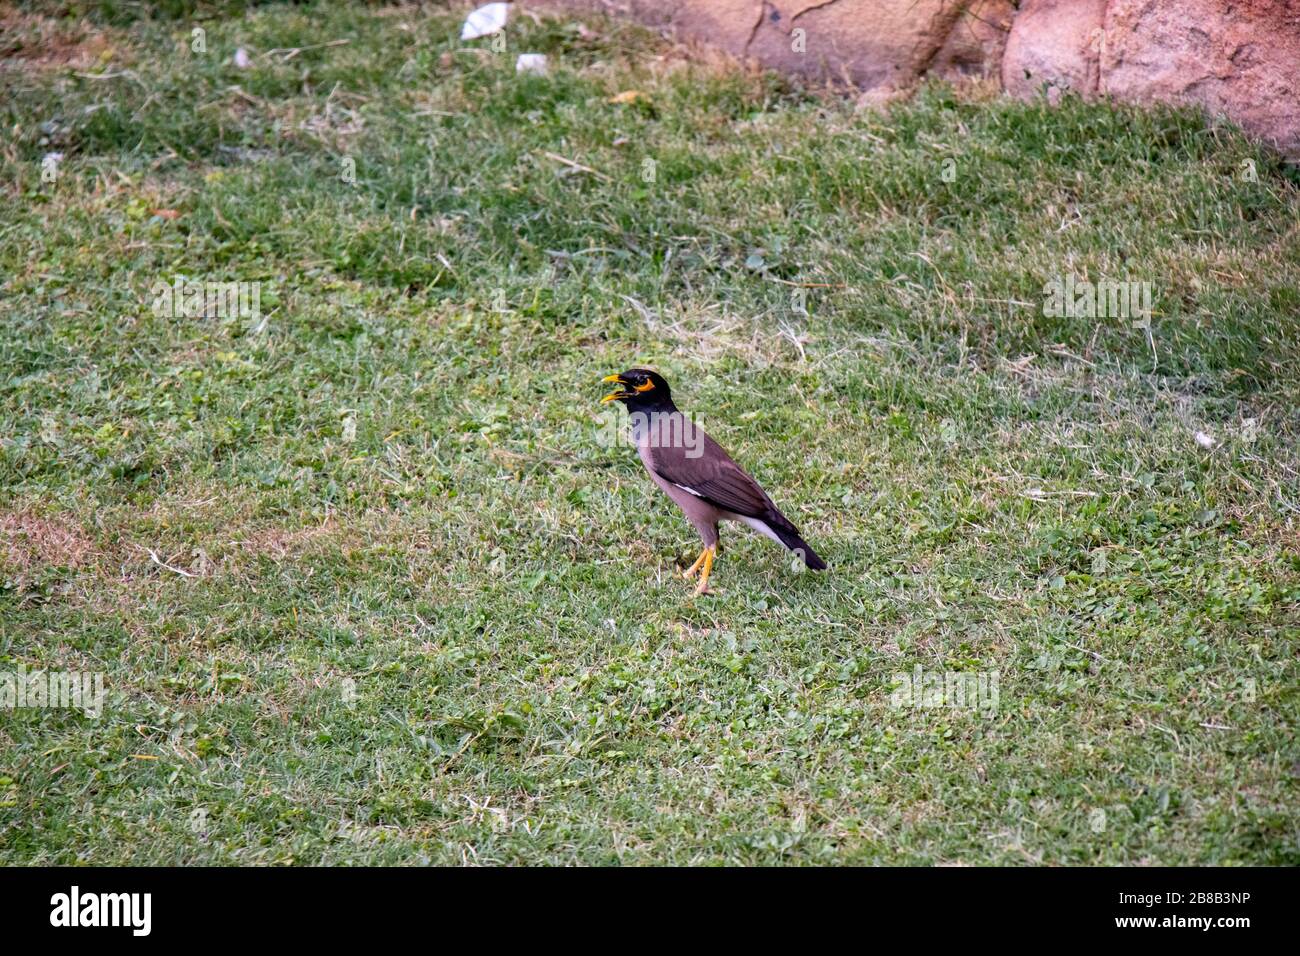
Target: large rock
[882, 43]
[866, 43]
[1054, 46]
[1237, 58]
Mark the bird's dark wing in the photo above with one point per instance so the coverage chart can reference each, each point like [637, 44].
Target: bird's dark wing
[701, 467]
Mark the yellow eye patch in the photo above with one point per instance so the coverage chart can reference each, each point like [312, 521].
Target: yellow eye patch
[646, 387]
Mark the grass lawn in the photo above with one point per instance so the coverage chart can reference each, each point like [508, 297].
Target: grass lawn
[367, 581]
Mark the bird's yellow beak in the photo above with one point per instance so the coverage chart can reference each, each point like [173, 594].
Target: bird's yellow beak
[612, 396]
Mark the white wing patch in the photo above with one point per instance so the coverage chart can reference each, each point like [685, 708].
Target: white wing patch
[691, 490]
[758, 525]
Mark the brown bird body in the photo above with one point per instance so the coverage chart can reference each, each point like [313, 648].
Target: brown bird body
[697, 474]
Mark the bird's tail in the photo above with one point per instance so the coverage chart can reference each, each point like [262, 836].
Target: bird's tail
[791, 538]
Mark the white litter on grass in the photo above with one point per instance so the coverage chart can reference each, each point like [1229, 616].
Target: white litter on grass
[487, 19]
[241, 59]
[1204, 440]
[531, 63]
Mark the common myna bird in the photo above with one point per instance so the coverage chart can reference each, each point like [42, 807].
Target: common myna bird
[694, 471]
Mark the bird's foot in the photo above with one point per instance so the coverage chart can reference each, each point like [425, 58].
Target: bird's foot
[694, 568]
[705, 570]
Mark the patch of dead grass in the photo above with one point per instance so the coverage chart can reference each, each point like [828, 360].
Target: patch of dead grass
[28, 40]
[30, 544]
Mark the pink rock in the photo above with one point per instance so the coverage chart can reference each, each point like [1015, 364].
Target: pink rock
[1237, 59]
[1054, 45]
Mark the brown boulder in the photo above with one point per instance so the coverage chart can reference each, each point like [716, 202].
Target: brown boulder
[1238, 59]
[866, 43]
[881, 43]
[1054, 45]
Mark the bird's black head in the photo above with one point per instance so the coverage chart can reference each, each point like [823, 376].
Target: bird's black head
[640, 389]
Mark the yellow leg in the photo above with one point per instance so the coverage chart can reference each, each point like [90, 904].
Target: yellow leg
[690, 572]
[703, 586]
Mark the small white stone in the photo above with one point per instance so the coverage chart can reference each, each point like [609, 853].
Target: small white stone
[1204, 440]
[531, 63]
[241, 59]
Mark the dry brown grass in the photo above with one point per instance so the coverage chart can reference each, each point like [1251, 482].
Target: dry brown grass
[28, 41]
[30, 544]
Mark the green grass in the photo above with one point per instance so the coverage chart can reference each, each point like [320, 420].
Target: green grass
[428, 615]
